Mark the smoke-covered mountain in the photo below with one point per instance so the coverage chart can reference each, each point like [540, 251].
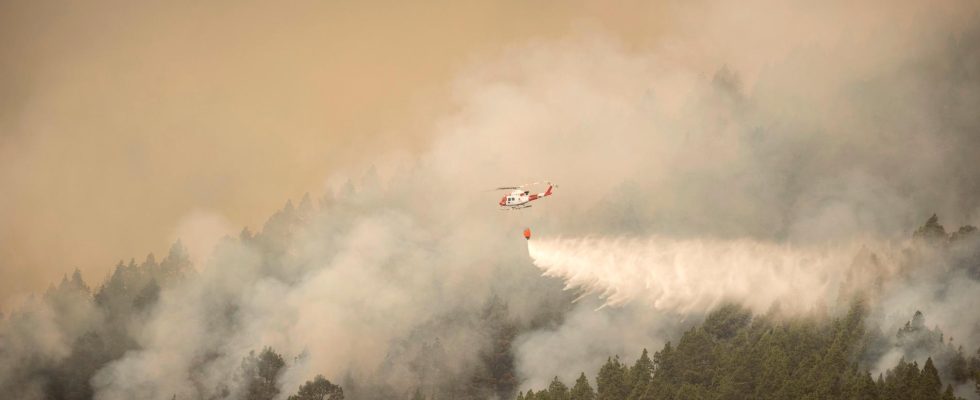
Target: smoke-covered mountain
[248, 325]
[747, 204]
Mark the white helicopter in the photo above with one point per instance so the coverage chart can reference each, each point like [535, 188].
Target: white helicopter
[519, 198]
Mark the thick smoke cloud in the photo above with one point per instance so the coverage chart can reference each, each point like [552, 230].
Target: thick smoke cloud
[119, 119]
[793, 133]
[588, 337]
[358, 287]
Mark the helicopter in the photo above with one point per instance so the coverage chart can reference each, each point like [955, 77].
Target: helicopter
[519, 198]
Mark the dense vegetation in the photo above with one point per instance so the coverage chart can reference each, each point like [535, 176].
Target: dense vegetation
[98, 324]
[734, 355]
[123, 299]
[731, 355]
[101, 321]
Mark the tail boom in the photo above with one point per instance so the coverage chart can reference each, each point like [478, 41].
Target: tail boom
[540, 195]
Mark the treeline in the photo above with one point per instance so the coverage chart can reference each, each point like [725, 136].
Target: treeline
[260, 374]
[433, 371]
[124, 298]
[55, 345]
[95, 322]
[733, 355]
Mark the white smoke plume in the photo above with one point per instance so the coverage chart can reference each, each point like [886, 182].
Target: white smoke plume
[752, 163]
[696, 275]
[691, 277]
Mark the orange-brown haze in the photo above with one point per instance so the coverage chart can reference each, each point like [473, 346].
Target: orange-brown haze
[121, 121]
[778, 125]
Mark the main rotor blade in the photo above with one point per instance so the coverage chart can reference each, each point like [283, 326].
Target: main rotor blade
[520, 186]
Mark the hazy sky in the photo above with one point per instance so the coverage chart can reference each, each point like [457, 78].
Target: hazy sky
[119, 119]
[764, 122]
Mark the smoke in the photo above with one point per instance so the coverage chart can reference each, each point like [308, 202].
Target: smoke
[900, 283]
[119, 119]
[353, 289]
[747, 156]
[201, 231]
[40, 333]
[587, 337]
[789, 178]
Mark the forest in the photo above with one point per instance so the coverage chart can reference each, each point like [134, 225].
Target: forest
[798, 141]
[735, 355]
[732, 354]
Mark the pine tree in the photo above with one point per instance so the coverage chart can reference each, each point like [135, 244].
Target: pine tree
[864, 387]
[661, 386]
[932, 231]
[147, 296]
[609, 383]
[959, 367]
[929, 385]
[640, 376]
[582, 390]
[948, 394]
[976, 378]
[902, 382]
[557, 390]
